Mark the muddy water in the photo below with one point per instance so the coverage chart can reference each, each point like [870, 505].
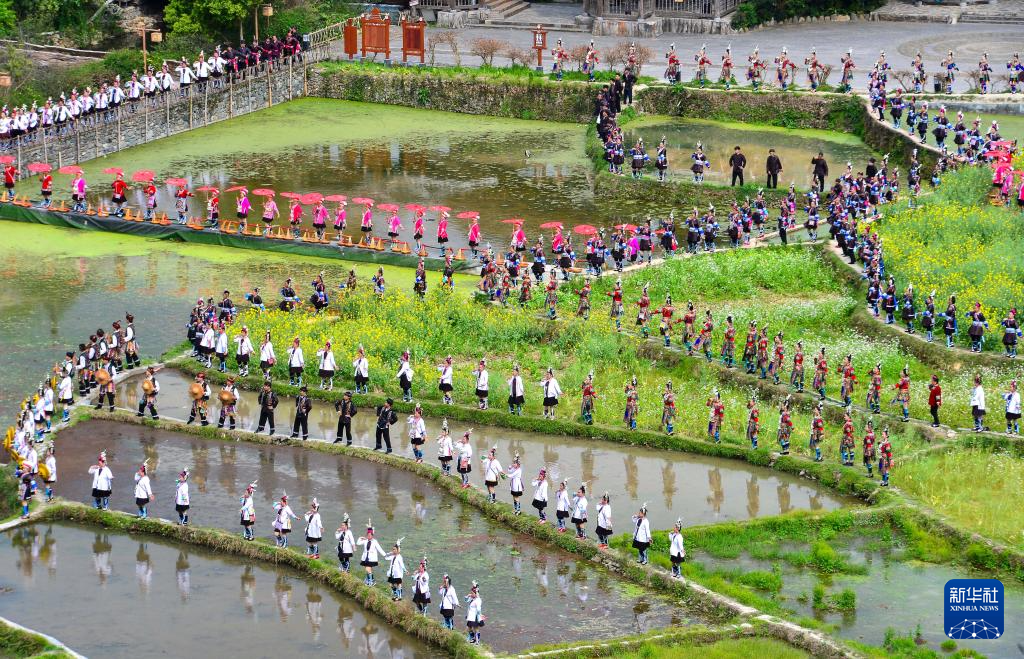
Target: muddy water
[699, 489]
[794, 147]
[110, 595]
[533, 594]
[898, 594]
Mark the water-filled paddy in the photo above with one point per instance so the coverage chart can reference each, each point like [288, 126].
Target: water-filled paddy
[110, 595]
[534, 594]
[794, 147]
[701, 490]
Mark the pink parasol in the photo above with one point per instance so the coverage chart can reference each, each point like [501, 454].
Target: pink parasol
[236, 188]
[440, 209]
[468, 215]
[70, 169]
[6, 160]
[113, 170]
[551, 225]
[39, 167]
[366, 201]
[390, 208]
[513, 220]
[291, 195]
[207, 188]
[415, 208]
[626, 227]
[1003, 143]
[336, 197]
[586, 230]
[143, 176]
[311, 198]
[263, 192]
[176, 181]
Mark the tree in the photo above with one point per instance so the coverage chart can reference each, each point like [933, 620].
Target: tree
[486, 49]
[207, 16]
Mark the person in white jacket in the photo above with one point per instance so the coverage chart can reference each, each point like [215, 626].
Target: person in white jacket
[1012, 398]
[540, 495]
[361, 368]
[247, 512]
[243, 351]
[66, 396]
[978, 405]
[267, 356]
[482, 384]
[562, 504]
[283, 517]
[474, 613]
[604, 520]
[404, 376]
[552, 392]
[207, 342]
[396, 570]
[372, 551]
[445, 381]
[676, 549]
[465, 465]
[492, 472]
[421, 587]
[51, 471]
[182, 501]
[314, 529]
[417, 433]
[296, 362]
[641, 534]
[220, 348]
[346, 543]
[449, 601]
[516, 394]
[327, 366]
[445, 449]
[515, 483]
[579, 511]
[143, 491]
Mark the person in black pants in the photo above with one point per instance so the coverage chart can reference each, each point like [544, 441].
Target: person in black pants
[346, 410]
[782, 229]
[267, 401]
[303, 406]
[628, 80]
[820, 171]
[386, 417]
[774, 168]
[738, 162]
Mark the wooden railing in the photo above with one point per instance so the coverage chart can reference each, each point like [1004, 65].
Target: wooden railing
[450, 5]
[634, 9]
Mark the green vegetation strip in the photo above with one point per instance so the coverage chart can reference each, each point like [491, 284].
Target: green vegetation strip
[844, 481]
[17, 642]
[399, 614]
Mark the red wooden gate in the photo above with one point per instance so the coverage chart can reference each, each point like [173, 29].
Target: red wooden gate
[413, 39]
[350, 34]
[376, 33]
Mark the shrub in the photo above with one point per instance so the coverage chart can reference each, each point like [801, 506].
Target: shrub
[486, 49]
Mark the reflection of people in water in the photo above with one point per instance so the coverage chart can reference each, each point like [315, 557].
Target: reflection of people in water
[815, 500]
[26, 539]
[184, 575]
[143, 569]
[785, 504]
[101, 556]
[717, 497]
[587, 462]
[283, 596]
[632, 475]
[248, 594]
[668, 483]
[228, 475]
[753, 497]
[387, 502]
[540, 570]
[314, 611]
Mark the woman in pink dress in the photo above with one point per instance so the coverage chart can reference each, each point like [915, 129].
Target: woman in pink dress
[242, 208]
[474, 235]
[295, 217]
[442, 231]
[270, 213]
[78, 188]
[340, 220]
[518, 238]
[320, 219]
[417, 229]
[366, 225]
[394, 226]
[558, 242]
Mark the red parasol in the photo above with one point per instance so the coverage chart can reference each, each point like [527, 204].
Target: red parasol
[440, 209]
[207, 188]
[513, 220]
[113, 170]
[39, 167]
[143, 176]
[6, 160]
[626, 227]
[291, 195]
[176, 181]
[336, 197]
[366, 201]
[263, 192]
[468, 215]
[551, 225]
[311, 198]
[415, 208]
[70, 169]
[586, 230]
[390, 208]
[236, 188]
[1000, 143]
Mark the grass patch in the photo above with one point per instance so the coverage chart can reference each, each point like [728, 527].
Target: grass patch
[20, 644]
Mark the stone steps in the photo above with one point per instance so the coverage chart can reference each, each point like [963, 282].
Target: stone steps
[508, 8]
[507, 23]
[991, 19]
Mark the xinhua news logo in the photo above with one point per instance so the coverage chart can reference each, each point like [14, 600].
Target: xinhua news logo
[974, 609]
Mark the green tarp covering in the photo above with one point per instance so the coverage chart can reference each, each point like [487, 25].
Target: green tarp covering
[206, 236]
